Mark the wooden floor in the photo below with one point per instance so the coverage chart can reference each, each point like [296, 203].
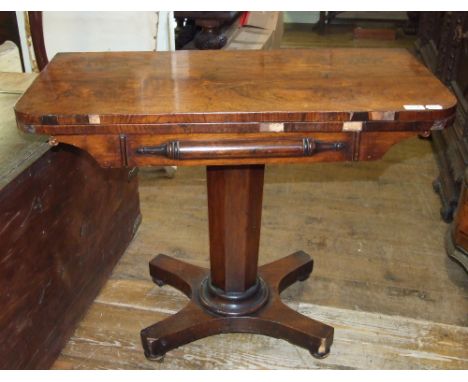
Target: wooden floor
[381, 276]
[305, 36]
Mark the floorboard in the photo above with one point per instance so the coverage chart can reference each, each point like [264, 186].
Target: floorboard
[108, 337]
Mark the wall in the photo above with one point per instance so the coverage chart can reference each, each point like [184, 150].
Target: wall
[99, 31]
[103, 31]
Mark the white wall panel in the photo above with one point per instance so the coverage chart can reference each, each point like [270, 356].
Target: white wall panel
[99, 31]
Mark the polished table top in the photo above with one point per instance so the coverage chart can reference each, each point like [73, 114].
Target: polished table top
[157, 97]
[202, 86]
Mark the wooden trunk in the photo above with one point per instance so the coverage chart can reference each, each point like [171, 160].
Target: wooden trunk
[64, 224]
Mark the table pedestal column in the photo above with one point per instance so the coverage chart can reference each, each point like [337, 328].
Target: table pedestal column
[233, 296]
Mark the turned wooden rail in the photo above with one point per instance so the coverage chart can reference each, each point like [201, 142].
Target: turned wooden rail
[240, 149]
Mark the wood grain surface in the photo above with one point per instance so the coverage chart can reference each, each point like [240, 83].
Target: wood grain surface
[118, 106]
[231, 86]
[234, 225]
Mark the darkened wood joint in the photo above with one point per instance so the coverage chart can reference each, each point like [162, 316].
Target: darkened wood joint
[123, 149]
[82, 119]
[238, 149]
[49, 120]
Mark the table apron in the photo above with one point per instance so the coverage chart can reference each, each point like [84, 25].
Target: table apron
[146, 150]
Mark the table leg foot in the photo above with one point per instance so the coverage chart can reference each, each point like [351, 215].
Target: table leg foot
[187, 325]
[273, 319]
[284, 272]
[178, 274]
[292, 326]
[279, 321]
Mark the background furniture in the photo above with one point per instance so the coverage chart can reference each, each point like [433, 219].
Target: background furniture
[37, 37]
[9, 31]
[395, 19]
[64, 224]
[443, 46]
[206, 28]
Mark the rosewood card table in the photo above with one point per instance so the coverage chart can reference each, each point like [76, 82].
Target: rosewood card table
[234, 112]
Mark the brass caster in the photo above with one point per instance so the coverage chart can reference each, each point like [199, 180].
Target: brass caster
[155, 358]
[320, 355]
[158, 282]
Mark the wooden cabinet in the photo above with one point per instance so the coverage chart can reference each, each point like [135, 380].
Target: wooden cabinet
[443, 46]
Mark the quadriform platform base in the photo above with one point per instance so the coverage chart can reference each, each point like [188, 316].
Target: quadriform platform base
[273, 318]
[233, 296]
[234, 112]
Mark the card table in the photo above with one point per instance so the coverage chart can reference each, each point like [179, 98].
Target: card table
[234, 112]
